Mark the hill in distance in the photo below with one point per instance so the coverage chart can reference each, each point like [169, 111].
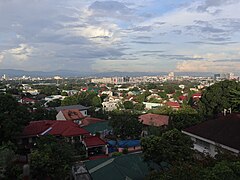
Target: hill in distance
[70, 73]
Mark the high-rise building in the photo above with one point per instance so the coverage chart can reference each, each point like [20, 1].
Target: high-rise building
[216, 76]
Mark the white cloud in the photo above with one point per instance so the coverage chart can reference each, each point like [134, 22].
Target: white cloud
[1, 57]
[208, 66]
[21, 53]
[106, 35]
[215, 61]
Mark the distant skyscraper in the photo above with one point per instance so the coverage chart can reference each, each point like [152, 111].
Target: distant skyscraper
[171, 74]
[216, 76]
[231, 76]
[223, 76]
[4, 77]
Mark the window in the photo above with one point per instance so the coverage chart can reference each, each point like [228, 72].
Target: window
[202, 143]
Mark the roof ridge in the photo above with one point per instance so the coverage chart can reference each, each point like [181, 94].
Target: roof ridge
[101, 165]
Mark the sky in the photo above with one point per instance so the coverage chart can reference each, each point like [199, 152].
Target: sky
[121, 35]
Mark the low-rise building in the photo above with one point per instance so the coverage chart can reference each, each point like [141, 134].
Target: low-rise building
[216, 134]
[68, 130]
[154, 120]
[79, 107]
[149, 105]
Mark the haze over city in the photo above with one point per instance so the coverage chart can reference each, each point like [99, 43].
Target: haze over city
[123, 35]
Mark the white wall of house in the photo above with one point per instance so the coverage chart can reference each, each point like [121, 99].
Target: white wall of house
[152, 105]
[207, 146]
[60, 116]
[204, 147]
[84, 113]
[109, 106]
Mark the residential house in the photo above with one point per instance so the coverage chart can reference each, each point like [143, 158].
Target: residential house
[111, 103]
[220, 133]
[81, 108]
[90, 120]
[102, 128]
[71, 92]
[26, 100]
[149, 105]
[68, 130]
[154, 120]
[196, 96]
[174, 105]
[182, 98]
[95, 146]
[194, 89]
[54, 97]
[130, 166]
[154, 96]
[70, 115]
[109, 93]
[33, 92]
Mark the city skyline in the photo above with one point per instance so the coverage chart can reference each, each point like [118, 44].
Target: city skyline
[123, 35]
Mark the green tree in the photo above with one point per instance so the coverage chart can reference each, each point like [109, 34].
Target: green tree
[13, 118]
[164, 110]
[9, 168]
[172, 148]
[85, 98]
[49, 90]
[41, 113]
[163, 95]
[177, 94]
[128, 104]
[125, 125]
[54, 103]
[151, 86]
[169, 89]
[96, 101]
[70, 100]
[235, 99]
[103, 96]
[222, 171]
[51, 159]
[185, 171]
[185, 117]
[139, 106]
[142, 97]
[64, 93]
[216, 98]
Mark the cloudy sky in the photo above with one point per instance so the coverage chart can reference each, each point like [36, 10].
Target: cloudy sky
[121, 35]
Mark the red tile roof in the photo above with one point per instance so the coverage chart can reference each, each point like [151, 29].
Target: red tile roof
[154, 119]
[61, 128]
[67, 129]
[93, 141]
[196, 95]
[30, 100]
[89, 120]
[36, 127]
[173, 104]
[182, 98]
[72, 114]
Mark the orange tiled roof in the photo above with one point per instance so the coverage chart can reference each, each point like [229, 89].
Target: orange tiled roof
[154, 119]
[89, 120]
[72, 114]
